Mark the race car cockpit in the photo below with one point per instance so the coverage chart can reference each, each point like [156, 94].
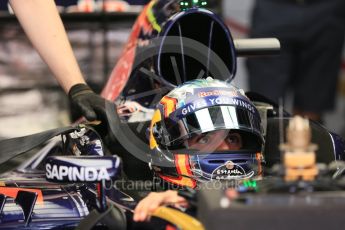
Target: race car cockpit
[165, 49]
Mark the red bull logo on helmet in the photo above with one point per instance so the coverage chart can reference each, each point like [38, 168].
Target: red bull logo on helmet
[218, 93]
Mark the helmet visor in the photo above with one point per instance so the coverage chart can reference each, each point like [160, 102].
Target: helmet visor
[211, 119]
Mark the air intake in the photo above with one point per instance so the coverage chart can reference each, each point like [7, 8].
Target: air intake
[195, 44]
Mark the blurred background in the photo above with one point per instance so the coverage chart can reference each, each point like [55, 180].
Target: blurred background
[32, 101]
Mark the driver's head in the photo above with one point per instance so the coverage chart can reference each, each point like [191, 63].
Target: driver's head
[219, 140]
[202, 126]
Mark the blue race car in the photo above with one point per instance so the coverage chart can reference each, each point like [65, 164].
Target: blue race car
[70, 181]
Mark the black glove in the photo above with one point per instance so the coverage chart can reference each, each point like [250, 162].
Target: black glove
[87, 103]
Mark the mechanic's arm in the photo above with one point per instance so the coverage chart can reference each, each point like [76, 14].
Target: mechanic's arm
[149, 204]
[42, 24]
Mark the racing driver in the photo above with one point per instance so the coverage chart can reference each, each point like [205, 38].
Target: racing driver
[198, 130]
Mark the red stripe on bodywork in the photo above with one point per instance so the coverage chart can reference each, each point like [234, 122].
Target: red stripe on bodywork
[122, 70]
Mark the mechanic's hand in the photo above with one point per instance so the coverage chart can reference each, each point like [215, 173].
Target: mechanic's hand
[88, 103]
[149, 204]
